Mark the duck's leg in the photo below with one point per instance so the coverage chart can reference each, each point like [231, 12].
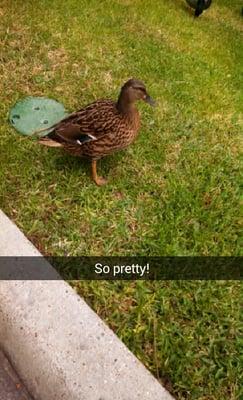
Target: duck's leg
[98, 179]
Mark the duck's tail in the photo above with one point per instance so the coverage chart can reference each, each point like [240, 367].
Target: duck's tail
[50, 129]
[49, 142]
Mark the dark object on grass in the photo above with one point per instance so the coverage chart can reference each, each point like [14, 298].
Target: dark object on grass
[100, 128]
[199, 5]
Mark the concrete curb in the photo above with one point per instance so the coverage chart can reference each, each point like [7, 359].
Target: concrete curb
[60, 348]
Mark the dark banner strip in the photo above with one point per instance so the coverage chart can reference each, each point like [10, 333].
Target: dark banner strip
[123, 268]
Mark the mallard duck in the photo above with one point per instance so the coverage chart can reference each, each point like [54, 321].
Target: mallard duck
[199, 5]
[100, 128]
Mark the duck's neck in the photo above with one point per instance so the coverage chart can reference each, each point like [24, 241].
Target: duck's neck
[125, 107]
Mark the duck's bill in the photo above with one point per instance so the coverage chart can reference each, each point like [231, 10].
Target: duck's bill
[150, 101]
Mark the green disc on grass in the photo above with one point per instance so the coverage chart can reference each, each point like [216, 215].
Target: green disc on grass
[35, 113]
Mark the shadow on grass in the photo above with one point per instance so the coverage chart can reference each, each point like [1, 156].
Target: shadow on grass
[75, 164]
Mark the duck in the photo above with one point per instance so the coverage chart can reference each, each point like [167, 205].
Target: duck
[199, 5]
[100, 128]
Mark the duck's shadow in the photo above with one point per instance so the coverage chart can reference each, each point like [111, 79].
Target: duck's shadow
[67, 162]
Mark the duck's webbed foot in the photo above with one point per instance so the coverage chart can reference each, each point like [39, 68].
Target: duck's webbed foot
[99, 180]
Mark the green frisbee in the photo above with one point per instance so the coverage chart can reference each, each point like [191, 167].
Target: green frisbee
[32, 114]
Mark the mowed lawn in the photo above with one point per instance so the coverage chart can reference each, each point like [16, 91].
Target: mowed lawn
[175, 191]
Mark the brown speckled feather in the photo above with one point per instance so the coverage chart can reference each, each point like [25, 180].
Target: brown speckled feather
[96, 130]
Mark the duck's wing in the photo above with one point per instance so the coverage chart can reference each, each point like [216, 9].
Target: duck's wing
[207, 4]
[201, 6]
[87, 124]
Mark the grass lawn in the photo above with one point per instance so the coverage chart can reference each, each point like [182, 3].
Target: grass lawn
[174, 192]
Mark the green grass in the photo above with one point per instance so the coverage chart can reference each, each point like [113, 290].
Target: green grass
[174, 192]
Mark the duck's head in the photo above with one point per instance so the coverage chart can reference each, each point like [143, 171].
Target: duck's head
[132, 91]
